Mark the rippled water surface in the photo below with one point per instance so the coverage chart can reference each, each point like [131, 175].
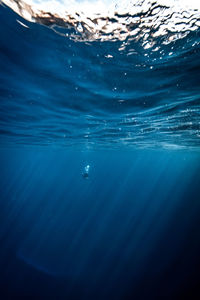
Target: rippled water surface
[134, 83]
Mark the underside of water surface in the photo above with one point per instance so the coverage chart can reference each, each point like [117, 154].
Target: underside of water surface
[100, 74]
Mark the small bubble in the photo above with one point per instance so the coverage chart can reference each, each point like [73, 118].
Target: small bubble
[121, 101]
[80, 28]
[108, 56]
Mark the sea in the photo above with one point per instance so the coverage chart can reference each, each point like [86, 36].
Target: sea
[99, 149]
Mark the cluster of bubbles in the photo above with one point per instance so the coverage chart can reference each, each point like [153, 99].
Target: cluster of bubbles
[86, 170]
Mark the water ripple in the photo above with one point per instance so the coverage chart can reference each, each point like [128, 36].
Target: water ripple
[131, 82]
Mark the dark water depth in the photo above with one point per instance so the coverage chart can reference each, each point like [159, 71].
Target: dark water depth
[129, 231]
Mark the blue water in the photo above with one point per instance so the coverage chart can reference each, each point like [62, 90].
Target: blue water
[57, 91]
[99, 166]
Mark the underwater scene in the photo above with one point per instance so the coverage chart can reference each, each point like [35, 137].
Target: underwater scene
[100, 149]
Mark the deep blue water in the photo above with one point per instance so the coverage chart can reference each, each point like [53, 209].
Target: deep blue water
[130, 228]
[131, 231]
